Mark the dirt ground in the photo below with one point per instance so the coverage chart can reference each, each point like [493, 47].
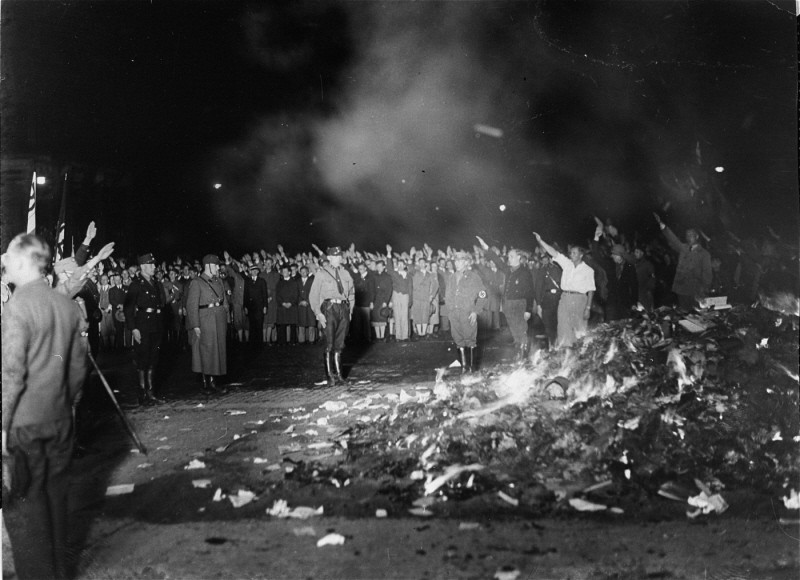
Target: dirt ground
[274, 417]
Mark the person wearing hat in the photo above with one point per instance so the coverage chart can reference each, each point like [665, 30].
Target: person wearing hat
[380, 295]
[361, 331]
[207, 323]
[116, 296]
[144, 305]
[465, 296]
[271, 276]
[577, 290]
[44, 365]
[255, 304]
[693, 274]
[547, 292]
[306, 321]
[287, 294]
[332, 298]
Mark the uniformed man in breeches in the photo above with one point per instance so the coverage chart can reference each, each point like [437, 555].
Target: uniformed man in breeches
[332, 298]
[144, 306]
[465, 296]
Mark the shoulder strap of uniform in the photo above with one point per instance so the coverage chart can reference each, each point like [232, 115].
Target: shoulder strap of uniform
[210, 286]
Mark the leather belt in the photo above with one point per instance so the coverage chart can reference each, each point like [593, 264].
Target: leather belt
[210, 305]
[573, 292]
[151, 310]
[336, 301]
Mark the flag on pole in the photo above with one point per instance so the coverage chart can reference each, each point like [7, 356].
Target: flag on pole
[62, 221]
[32, 207]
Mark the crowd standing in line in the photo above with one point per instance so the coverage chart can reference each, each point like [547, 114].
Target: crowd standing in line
[543, 294]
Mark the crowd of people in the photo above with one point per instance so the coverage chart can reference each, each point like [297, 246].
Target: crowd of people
[544, 293]
[56, 316]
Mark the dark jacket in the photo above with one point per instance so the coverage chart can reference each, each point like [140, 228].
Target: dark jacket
[519, 282]
[623, 291]
[362, 288]
[255, 294]
[143, 295]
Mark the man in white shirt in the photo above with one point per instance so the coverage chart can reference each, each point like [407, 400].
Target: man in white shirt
[577, 290]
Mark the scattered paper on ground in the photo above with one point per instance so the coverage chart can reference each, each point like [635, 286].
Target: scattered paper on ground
[121, 489]
[243, 497]
[331, 540]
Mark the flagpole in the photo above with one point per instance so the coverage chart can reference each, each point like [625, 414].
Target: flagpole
[61, 226]
[32, 207]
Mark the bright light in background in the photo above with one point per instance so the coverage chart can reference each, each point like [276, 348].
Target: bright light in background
[217, 185]
[41, 180]
[503, 207]
[719, 169]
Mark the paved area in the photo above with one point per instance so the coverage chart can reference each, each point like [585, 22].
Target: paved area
[292, 375]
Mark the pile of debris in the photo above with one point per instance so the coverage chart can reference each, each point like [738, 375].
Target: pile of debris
[662, 402]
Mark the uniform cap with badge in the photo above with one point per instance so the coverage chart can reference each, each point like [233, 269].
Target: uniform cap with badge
[146, 259]
[210, 259]
[334, 251]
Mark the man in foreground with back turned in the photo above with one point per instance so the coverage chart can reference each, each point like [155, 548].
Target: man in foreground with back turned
[44, 364]
[332, 298]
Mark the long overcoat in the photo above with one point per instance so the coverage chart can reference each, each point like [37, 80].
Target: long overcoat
[209, 353]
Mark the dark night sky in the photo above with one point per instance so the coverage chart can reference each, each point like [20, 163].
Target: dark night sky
[333, 122]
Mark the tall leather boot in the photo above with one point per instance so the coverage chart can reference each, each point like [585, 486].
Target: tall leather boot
[141, 396]
[328, 372]
[210, 385]
[150, 391]
[464, 363]
[213, 386]
[337, 362]
[471, 355]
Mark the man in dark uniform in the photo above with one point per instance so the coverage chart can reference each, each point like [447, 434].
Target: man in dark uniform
[517, 296]
[547, 291]
[207, 323]
[332, 298]
[44, 364]
[144, 306]
[466, 297]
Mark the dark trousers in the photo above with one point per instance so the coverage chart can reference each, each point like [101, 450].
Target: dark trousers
[361, 329]
[256, 324]
[337, 318]
[686, 301]
[145, 352]
[515, 317]
[119, 334]
[36, 509]
[550, 319]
